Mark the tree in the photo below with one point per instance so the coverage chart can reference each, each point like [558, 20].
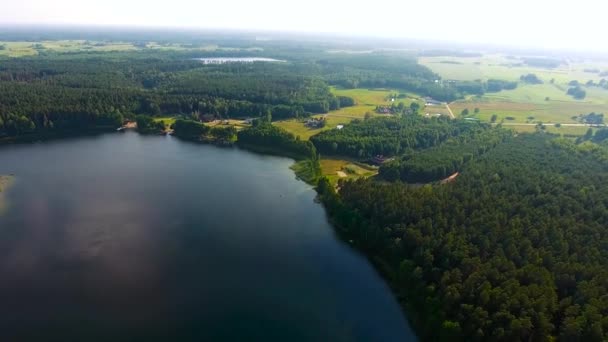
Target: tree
[577, 92]
[189, 129]
[588, 135]
[465, 112]
[146, 124]
[494, 118]
[415, 107]
[531, 78]
[476, 110]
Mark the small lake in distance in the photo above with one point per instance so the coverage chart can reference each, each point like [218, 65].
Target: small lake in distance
[123, 237]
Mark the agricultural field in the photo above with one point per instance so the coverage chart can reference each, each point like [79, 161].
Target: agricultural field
[335, 169]
[366, 101]
[528, 103]
[510, 69]
[550, 128]
[21, 49]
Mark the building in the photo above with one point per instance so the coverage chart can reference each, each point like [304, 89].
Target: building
[315, 122]
[379, 159]
[430, 102]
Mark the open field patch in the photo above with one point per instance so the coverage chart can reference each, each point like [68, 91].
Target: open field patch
[336, 168]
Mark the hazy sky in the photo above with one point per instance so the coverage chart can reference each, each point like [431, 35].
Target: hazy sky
[539, 23]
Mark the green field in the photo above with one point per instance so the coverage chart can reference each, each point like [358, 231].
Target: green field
[366, 101]
[501, 67]
[21, 49]
[342, 168]
[167, 120]
[528, 103]
[549, 128]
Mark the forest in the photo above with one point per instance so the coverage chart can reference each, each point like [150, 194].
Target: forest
[439, 162]
[389, 136]
[44, 94]
[515, 249]
[90, 90]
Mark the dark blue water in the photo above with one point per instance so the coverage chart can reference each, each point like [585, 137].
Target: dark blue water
[128, 237]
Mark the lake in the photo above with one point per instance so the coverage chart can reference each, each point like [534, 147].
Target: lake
[223, 60]
[128, 237]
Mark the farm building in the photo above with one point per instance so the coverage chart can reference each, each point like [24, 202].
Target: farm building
[315, 122]
[430, 102]
[380, 159]
[383, 110]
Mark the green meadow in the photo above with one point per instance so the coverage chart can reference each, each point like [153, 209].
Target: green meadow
[510, 69]
[22, 49]
[366, 101]
[528, 103]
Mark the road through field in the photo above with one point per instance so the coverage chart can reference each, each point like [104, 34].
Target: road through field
[447, 106]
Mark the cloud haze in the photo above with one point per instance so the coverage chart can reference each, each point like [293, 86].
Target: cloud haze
[539, 23]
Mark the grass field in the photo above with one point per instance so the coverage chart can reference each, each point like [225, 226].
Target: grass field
[21, 49]
[529, 101]
[336, 168]
[547, 102]
[501, 67]
[563, 130]
[366, 101]
[167, 120]
[238, 124]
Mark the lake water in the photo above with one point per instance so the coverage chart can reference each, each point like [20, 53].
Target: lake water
[223, 60]
[127, 237]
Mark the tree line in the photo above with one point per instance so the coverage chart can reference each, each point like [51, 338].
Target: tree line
[388, 136]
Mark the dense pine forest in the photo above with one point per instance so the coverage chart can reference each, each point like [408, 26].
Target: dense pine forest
[389, 136]
[514, 249]
[446, 159]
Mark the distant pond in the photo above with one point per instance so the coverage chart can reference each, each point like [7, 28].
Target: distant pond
[124, 237]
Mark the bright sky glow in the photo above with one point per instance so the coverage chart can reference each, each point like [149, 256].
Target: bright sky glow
[536, 23]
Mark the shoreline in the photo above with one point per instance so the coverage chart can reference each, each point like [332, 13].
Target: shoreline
[54, 135]
[5, 184]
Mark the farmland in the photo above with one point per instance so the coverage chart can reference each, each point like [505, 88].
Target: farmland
[27, 48]
[528, 103]
[337, 168]
[508, 68]
[366, 101]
